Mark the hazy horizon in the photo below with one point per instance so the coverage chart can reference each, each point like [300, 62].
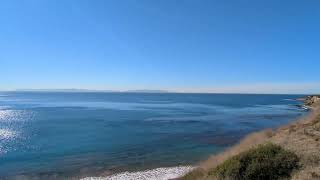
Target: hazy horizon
[276, 89]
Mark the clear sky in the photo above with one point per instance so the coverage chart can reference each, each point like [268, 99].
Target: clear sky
[269, 46]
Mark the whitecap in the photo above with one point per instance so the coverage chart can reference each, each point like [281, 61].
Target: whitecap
[163, 173]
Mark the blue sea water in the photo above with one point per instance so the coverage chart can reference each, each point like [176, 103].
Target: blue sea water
[55, 134]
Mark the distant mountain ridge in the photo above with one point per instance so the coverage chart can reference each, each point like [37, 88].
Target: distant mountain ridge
[63, 90]
[90, 90]
[147, 91]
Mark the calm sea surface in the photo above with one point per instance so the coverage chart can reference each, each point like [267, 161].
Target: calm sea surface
[67, 134]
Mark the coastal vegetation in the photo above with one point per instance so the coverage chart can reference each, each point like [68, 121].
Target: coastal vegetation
[290, 152]
[267, 161]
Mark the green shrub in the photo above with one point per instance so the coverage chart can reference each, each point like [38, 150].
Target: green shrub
[268, 161]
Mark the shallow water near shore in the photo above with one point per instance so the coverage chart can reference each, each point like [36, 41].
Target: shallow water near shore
[99, 134]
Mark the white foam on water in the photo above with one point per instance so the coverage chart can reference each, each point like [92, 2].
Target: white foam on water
[164, 173]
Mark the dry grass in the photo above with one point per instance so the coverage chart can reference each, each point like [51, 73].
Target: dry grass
[301, 137]
[305, 142]
[267, 161]
[247, 143]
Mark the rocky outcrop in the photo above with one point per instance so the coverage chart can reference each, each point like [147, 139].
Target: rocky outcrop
[312, 100]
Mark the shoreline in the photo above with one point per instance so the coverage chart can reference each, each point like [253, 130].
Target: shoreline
[161, 173]
[177, 172]
[169, 171]
[301, 136]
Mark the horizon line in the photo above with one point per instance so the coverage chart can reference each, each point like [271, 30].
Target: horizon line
[151, 91]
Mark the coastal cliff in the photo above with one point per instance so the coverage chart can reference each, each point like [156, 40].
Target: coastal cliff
[312, 101]
[300, 141]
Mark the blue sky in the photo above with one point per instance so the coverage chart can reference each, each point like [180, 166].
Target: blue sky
[266, 46]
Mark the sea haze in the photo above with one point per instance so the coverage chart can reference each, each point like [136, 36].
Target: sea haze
[69, 134]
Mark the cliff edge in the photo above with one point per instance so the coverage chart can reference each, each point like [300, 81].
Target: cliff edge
[301, 138]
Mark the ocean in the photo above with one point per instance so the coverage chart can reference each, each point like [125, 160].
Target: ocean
[79, 134]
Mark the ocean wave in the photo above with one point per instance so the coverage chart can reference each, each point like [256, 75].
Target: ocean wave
[164, 173]
[289, 99]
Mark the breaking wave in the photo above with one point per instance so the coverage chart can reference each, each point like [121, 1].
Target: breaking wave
[153, 174]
